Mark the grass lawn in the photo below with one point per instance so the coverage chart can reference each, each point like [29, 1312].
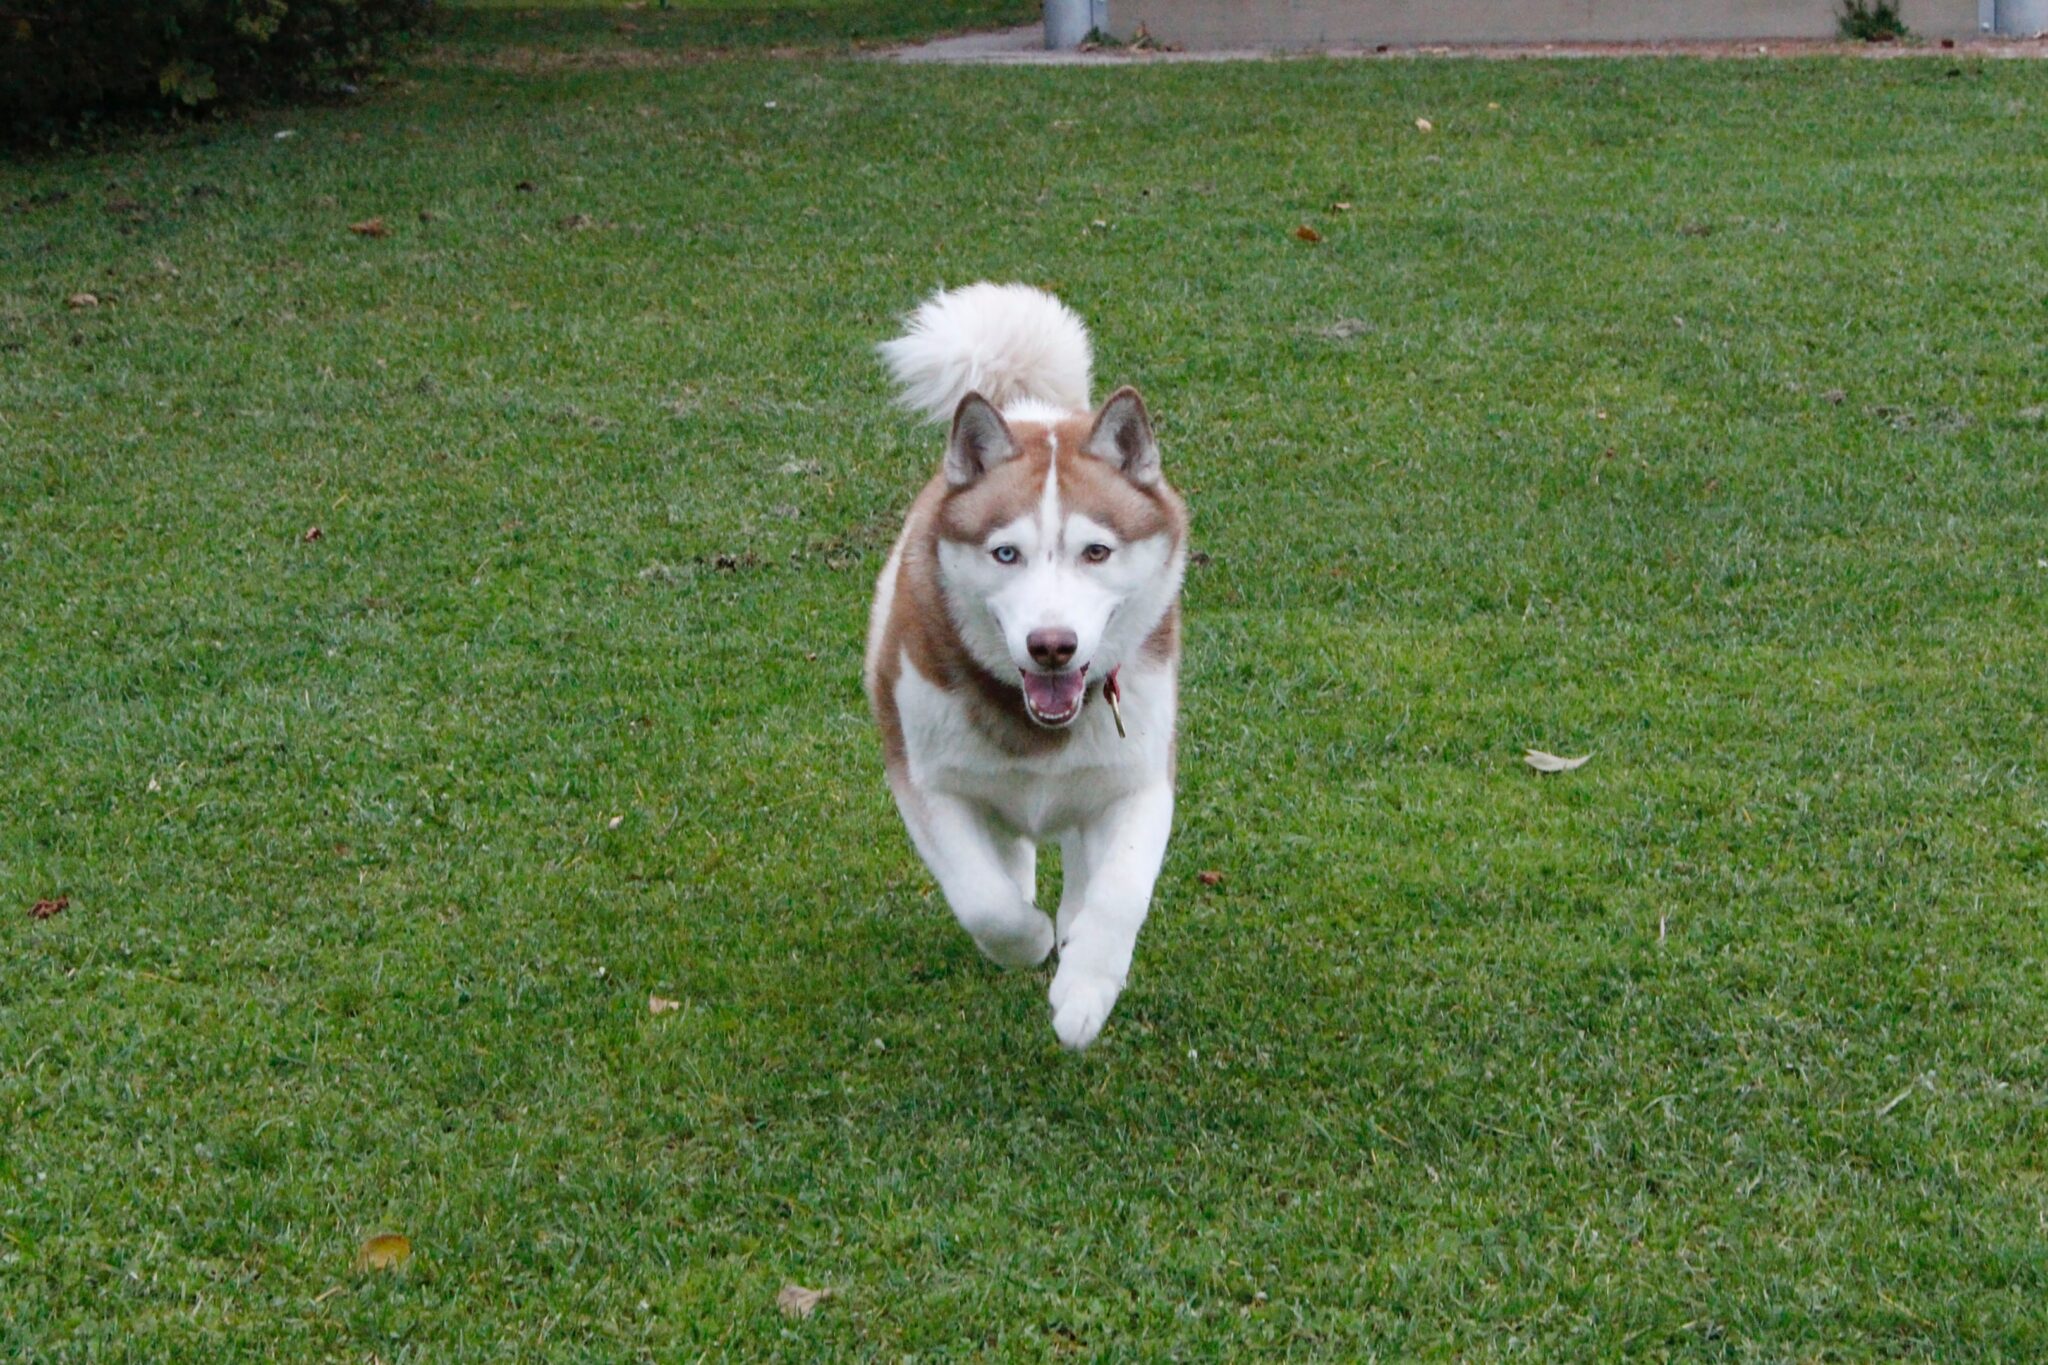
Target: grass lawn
[1687, 414]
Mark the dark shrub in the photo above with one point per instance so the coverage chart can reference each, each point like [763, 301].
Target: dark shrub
[1872, 21]
[64, 59]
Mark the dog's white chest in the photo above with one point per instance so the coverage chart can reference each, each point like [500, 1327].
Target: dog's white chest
[1039, 794]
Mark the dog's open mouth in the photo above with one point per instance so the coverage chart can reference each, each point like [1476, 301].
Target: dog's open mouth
[1054, 699]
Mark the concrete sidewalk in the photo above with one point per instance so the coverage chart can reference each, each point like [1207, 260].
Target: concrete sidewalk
[1025, 46]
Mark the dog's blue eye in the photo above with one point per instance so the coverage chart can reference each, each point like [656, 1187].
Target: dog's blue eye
[1095, 554]
[1005, 554]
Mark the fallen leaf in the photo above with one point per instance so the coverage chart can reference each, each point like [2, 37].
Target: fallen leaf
[1551, 763]
[615, 822]
[795, 1301]
[77, 301]
[1344, 329]
[313, 533]
[577, 222]
[1308, 234]
[661, 1004]
[385, 1251]
[49, 908]
[1210, 877]
[1423, 125]
[283, 133]
[1341, 206]
[370, 227]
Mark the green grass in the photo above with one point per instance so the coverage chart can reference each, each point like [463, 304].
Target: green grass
[552, 31]
[1684, 413]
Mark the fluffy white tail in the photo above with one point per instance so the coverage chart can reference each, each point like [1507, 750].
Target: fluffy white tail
[1009, 343]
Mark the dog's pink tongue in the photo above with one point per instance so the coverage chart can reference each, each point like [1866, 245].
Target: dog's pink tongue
[1055, 694]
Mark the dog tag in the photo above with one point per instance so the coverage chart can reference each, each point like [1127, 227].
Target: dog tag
[1113, 694]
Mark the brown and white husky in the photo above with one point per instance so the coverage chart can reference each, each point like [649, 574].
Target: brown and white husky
[1023, 654]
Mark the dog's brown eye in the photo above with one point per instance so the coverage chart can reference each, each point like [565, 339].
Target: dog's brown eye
[1095, 554]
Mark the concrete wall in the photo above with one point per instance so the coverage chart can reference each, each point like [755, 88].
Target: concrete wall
[1199, 24]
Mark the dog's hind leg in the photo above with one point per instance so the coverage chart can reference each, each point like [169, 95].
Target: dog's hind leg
[979, 874]
[1020, 859]
[1121, 850]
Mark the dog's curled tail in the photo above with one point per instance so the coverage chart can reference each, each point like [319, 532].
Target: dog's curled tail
[1009, 343]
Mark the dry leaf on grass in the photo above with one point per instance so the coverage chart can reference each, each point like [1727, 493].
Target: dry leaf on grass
[77, 301]
[313, 533]
[48, 909]
[1211, 877]
[370, 227]
[661, 1004]
[795, 1301]
[1308, 234]
[1423, 125]
[1551, 763]
[385, 1251]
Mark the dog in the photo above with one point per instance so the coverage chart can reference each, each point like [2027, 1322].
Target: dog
[1023, 652]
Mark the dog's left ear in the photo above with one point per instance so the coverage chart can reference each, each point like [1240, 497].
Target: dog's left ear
[1123, 436]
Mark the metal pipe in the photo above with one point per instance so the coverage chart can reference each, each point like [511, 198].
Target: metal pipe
[2022, 18]
[1069, 22]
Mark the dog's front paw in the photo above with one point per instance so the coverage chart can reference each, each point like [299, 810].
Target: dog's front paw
[1022, 943]
[1081, 1002]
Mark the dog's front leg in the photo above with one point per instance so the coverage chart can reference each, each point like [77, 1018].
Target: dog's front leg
[975, 871]
[1119, 855]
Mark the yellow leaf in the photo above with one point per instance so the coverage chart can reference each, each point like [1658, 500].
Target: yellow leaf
[1551, 763]
[385, 1251]
[661, 1004]
[1423, 125]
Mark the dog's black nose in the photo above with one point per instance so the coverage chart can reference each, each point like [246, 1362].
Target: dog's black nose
[1052, 648]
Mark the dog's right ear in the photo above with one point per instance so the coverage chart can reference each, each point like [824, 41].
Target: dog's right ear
[980, 440]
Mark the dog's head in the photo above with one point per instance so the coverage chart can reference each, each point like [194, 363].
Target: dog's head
[1061, 547]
